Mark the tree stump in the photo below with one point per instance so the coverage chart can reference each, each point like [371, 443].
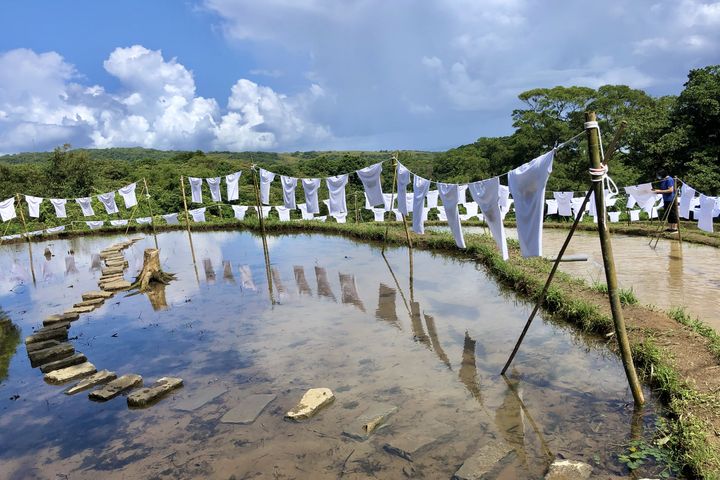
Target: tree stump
[151, 271]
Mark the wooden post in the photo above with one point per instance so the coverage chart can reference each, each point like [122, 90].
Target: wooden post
[27, 237]
[392, 199]
[266, 252]
[356, 209]
[677, 208]
[593, 139]
[187, 223]
[152, 217]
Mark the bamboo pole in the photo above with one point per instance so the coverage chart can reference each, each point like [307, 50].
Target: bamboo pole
[609, 262]
[392, 199]
[187, 223]
[356, 209]
[152, 217]
[266, 252]
[676, 206]
[27, 237]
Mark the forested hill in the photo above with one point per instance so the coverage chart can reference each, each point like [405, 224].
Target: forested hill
[678, 133]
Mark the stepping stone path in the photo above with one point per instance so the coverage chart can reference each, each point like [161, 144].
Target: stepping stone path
[313, 400]
[60, 363]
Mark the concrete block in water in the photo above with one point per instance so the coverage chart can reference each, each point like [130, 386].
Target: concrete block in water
[46, 355]
[149, 395]
[58, 331]
[486, 462]
[249, 409]
[409, 445]
[313, 400]
[96, 294]
[568, 470]
[31, 347]
[370, 420]
[116, 387]
[75, 359]
[116, 285]
[60, 318]
[99, 378]
[199, 399]
[93, 302]
[70, 373]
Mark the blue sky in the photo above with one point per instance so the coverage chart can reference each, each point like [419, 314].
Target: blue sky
[321, 74]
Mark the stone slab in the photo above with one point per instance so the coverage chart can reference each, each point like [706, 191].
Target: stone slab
[99, 378]
[116, 285]
[310, 403]
[84, 309]
[67, 374]
[111, 278]
[58, 331]
[96, 294]
[203, 397]
[46, 355]
[31, 347]
[59, 318]
[370, 420]
[411, 444]
[93, 302]
[116, 387]
[249, 409]
[112, 271]
[149, 395]
[75, 359]
[568, 470]
[110, 252]
[486, 462]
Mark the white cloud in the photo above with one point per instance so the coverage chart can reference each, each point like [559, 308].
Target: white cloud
[42, 105]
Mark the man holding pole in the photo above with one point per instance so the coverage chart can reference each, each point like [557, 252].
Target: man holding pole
[667, 188]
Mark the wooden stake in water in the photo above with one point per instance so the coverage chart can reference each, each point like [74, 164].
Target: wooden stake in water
[27, 237]
[266, 251]
[392, 199]
[152, 217]
[593, 139]
[677, 209]
[187, 225]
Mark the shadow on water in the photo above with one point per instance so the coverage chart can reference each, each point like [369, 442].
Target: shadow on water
[9, 341]
[433, 351]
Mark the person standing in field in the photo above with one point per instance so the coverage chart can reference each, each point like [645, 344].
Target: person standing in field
[667, 189]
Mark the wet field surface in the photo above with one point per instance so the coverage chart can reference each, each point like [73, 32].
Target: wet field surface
[342, 320]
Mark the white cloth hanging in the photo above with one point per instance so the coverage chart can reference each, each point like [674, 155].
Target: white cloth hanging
[310, 187]
[686, 200]
[59, 204]
[552, 207]
[86, 206]
[379, 214]
[33, 205]
[214, 184]
[283, 213]
[462, 196]
[58, 229]
[265, 211]
[642, 195]
[634, 215]
[239, 211]
[337, 202]
[527, 186]
[432, 198]
[231, 182]
[289, 184]
[321, 218]
[705, 218]
[403, 180]
[420, 191]
[266, 179]
[388, 200]
[340, 217]
[398, 215]
[94, 224]
[303, 211]
[195, 189]
[370, 178]
[449, 194]
[118, 223]
[487, 196]
[614, 217]
[143, 220]
[564, 203]
[108, 201]
[7, 209]
[171, 218]
[442, 215]
[128, 194]
[471, 210]
[505, 202]
[198, 214]
[367, 202]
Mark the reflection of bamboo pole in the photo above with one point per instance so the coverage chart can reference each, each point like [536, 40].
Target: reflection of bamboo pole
[152, 217]
[397, 284]
[266, 252]
[534, 426]
[187, 226]
[27, 237]
[412, 286]
[392, 199]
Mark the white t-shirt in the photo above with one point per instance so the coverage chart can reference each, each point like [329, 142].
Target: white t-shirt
[59, 204]
[564, 203]
[85, 206]
[239, 211]
[231, 182]
[336, 186]
[705, 220]
[288, 185]
[449, 194]
[33, 205]
[128, 194]
[7, 209]
[420, 191]
[311, 186]
[487, 195]
[195, 189]
[198, 214]
[370, 178]
[214, 184]
[403, 180]
[686, 200]
[266, 179]
[108, 201]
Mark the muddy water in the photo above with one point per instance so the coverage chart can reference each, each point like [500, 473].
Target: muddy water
[433, 349]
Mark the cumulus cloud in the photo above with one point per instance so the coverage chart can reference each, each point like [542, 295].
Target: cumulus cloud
[43, 103]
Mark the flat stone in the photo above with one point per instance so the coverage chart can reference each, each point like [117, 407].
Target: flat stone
[409, 445]
[70, 373]
[117, 285]
[60, 317]
[149, 395]
[486, 462]
[93, 302]
[41, 345]
[204, 396]
[313, 400]
[46, 355]
[248, 410]
[75, 359]
[116, 387]
[99, 378]
[112, 271]
[110, 252]
[370, 420]
[568, 470]
[111, 278]
[59, 331]
[96, 294]
[84, 309]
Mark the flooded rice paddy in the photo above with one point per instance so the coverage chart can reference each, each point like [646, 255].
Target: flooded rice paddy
[343, 320]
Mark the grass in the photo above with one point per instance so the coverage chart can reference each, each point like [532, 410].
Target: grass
[681, 316]
[627, 295]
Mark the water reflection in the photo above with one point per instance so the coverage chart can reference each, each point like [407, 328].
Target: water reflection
[435, 341]
[228, 272]
[386, 306]
[157, 297]
[70, 266]
[9, 341]
[209, 271]
[510, 420]
[468, 369]
[323, 285]
[301, 281]
[246, 278]
[348, 288]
